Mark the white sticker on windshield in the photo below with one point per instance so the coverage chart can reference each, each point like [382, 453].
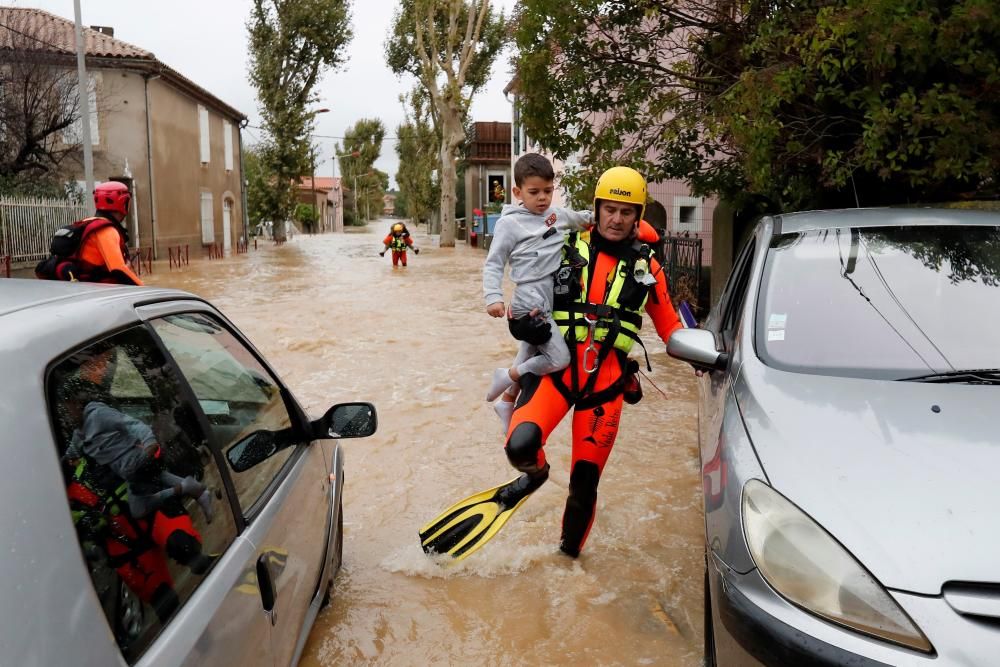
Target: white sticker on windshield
[776, 335]
[777, 321]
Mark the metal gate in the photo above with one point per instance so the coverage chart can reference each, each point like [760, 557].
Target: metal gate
[682, 262]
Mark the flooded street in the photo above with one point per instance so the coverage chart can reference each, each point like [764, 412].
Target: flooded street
[340, 324]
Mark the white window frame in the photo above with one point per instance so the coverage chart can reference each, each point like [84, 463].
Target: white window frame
[690, 202]
[203, 135]
[227, 136]
[207, 218]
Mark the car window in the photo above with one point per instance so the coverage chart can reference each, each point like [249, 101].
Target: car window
[881, 302]
[736, 295]
[246, 412]
[144, 491]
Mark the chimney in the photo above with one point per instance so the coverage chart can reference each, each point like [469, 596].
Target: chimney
[104, 29]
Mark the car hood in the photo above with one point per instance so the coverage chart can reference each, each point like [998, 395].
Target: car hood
[903, 474]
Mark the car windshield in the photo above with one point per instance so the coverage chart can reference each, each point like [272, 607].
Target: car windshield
[884, 302]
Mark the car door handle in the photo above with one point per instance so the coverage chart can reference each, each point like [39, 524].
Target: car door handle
[268, 593]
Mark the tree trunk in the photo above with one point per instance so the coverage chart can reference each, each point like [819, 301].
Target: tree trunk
[451, 138]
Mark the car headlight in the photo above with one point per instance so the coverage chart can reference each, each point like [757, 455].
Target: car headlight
[802, 562]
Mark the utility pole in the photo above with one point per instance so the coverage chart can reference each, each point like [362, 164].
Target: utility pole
[84, 92]
[312, 181]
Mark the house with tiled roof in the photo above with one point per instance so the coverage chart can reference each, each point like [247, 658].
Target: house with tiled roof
[327, 197]
[176, 144]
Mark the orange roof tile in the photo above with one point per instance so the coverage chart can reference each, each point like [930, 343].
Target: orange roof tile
[322, 183]
[48, 32]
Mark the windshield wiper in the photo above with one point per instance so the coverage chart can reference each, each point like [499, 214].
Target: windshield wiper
[975, 376]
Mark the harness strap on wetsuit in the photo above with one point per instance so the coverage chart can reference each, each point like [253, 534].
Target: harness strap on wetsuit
[602, 311]
[585, 401]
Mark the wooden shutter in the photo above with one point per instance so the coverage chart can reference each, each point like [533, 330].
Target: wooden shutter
[207, 218]
[227, 135]
[203, 134]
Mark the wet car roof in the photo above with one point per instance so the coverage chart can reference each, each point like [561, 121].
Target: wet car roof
[786, 223]
[23, 294]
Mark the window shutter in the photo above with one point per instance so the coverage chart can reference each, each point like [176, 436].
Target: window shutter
[73, 134]
[227, 135]
[207, 219]
[203, 134]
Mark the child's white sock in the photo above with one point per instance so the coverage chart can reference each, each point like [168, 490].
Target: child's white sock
[504, 410]
[501, 380]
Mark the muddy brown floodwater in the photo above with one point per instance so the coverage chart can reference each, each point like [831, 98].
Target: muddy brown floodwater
[340, 324]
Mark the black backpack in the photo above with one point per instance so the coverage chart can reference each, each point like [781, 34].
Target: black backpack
[63, 263]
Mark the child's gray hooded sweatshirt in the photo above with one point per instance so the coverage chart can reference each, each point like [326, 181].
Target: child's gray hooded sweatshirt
[532, 244]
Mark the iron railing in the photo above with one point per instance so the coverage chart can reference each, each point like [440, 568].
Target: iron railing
[27, 225]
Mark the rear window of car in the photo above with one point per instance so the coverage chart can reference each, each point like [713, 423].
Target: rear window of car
[883, 302]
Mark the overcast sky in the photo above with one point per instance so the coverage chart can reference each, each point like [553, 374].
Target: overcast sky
[206, 41]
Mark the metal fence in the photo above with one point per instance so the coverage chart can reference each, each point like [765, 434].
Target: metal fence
[682, 259]
[27, 225]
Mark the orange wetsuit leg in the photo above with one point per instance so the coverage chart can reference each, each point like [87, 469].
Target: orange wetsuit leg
[540, 408]
[595, 429]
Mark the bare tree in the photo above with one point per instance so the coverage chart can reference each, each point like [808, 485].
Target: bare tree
[449, 45]
[39, 104]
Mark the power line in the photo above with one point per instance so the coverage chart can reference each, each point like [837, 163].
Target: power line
[844, 274]
[892, 294]
[327, 136]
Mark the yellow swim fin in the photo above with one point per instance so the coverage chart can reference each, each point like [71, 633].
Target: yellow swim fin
[472, 522]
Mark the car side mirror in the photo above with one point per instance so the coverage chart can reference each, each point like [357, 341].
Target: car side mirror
[251, 450]
[697, 347]
[346, 420]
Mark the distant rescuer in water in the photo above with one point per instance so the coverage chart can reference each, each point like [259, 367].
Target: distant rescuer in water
[602, 286]
[398, 240]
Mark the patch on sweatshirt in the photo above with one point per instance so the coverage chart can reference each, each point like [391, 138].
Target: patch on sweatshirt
[551, 220]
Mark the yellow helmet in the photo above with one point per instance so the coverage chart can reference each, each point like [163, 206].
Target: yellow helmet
[622, 184]
[397, 228]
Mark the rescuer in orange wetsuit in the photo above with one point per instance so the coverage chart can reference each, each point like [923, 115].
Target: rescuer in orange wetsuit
[602, 287]
[398, 240]
[94, 249]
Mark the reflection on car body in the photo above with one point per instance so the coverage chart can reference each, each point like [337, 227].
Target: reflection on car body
[848, 441]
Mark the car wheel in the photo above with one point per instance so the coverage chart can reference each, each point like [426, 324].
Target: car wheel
[709, 625]
[338, 556]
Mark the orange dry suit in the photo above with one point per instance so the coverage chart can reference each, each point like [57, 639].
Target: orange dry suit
[398, 245]
[601, 290]
[90, 250]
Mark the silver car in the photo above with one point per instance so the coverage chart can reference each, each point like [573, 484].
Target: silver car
[850, 442]
[166, 499]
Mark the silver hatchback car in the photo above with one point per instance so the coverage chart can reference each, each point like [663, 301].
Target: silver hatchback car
[167, 501]
[850, 442]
